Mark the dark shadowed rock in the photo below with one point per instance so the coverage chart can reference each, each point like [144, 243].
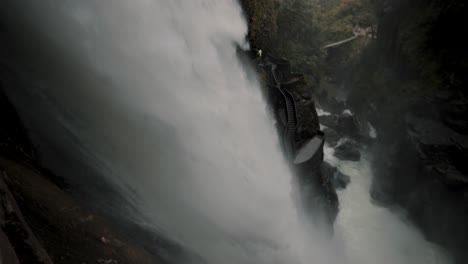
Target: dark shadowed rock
[16, 230]
[347, 150]
[298, 126]
[8, 254]
[455, 114]
[328, 170]
[348, 124]
[338, 179]
[422, 167]
[331, 136]
[330, 103]
[330, 121]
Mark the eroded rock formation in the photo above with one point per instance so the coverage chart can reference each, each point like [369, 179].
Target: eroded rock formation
[302, 139]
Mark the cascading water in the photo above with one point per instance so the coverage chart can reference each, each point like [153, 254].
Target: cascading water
[152, 95]
[155, 96]
[372, 234]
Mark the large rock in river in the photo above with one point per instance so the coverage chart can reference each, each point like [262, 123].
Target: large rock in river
[347, 150]
[338, 179]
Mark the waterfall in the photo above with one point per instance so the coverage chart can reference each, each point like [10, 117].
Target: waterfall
[152, 97]
[370, 234]
[152, 94]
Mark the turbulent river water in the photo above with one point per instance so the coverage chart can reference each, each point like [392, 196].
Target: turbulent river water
[372, 234]
[152, 95]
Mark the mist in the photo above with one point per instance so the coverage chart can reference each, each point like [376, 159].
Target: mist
[147, 107]
[153, 97]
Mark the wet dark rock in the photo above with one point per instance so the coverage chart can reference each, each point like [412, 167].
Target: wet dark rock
[422, 167]
[67, 231]
[298, 126]
[16, 230]
[443, 150]
[330, 121]
[318, 195]
[341, 180]
[330, 103]
[347, 150]
[13, 136]
[454, 115]
[8, 253]
[331, 136]
[347, 125]
[328, 170]
[338, 179]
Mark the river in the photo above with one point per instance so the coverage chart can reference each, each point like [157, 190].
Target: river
[372, 234]
[152, 96]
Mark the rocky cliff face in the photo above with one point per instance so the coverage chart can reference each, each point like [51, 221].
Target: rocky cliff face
[290, 95]
[299, 131]
[411, 85]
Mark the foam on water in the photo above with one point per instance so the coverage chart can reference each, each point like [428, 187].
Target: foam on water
[371, 234]
[151, 94]
[156, 98]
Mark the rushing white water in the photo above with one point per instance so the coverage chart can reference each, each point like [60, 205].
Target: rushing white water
[372, 131]
[152, 94]
[320, 112]
[153, 91]
[372, 234]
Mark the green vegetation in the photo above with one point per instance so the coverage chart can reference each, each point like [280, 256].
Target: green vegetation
[336, 18]
[262, 20]
[418, 56]
[298, 36]
[298, 29]
[286, 29]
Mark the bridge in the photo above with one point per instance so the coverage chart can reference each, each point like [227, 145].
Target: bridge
[358, 31]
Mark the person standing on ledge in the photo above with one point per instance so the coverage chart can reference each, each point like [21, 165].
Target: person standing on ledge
[259, 53]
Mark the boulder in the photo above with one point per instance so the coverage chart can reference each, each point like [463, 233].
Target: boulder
[330, 121]
[337, 179]
[443, 150]
[331, 136]
[340, 180]
[347, 123]
[330, 103]
[347, 150]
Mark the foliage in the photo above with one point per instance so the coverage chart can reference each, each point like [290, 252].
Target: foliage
[336, 18]
[418, 54]
[262, 20]
[298, 35]
[298, 29]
